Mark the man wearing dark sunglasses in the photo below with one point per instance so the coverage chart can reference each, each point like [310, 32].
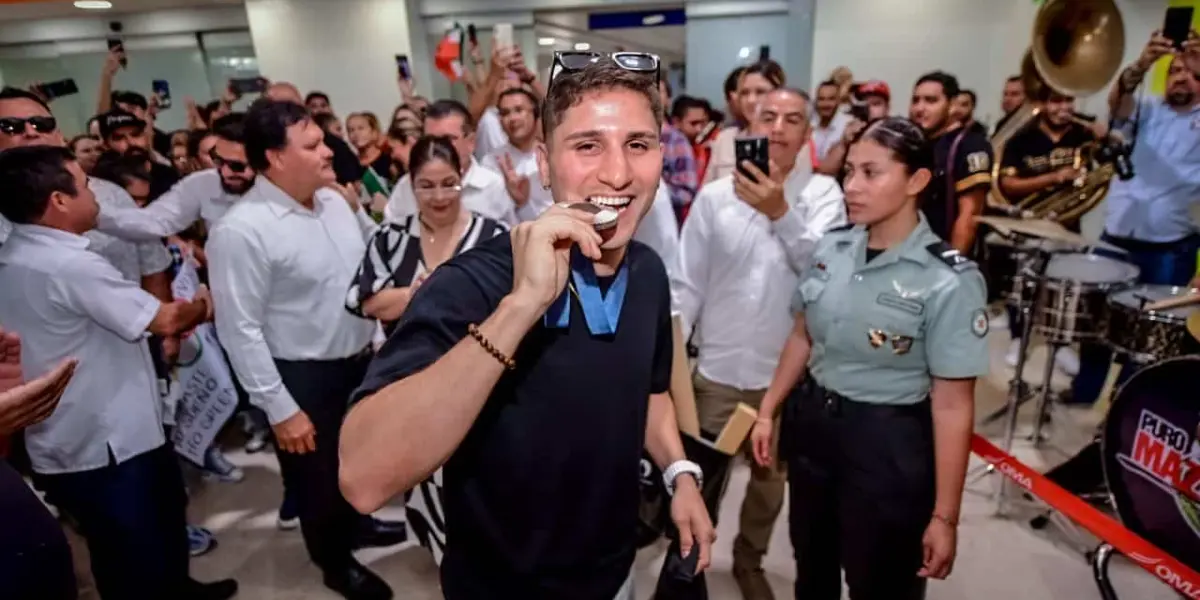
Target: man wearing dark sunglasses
[204, 195]
[536, 368]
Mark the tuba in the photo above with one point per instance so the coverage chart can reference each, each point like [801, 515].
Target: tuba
[1077, 48]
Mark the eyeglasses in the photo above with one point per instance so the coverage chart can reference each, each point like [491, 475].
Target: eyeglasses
[434, 192]
[16, 125]
[236, 166]
[638, 62]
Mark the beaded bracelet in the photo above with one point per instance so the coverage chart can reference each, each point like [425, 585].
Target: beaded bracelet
[508, 363]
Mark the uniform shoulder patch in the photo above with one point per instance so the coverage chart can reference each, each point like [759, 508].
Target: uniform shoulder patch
[953, 258]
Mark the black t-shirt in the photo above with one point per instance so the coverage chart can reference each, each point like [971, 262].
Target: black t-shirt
[345, 161]
[1031, 152]
[162, 178]
[541, 497]
[162, 142]
[972, 169]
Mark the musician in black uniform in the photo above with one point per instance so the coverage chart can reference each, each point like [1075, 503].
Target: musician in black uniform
[962, 172]
[1041, 158]
[891, 328]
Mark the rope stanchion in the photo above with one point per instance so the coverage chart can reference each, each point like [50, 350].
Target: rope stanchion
[1172, 572]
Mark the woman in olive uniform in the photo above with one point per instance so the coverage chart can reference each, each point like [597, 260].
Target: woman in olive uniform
[890, 324]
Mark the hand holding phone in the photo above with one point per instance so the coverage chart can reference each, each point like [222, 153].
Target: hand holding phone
[753, 150]
[1177, 25]
[57, 89]
[162, 90]
[117, 47]
[403, 68]
[504, 34]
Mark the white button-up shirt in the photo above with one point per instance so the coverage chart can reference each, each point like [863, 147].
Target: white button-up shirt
[133, 260]
[279, 274]
[66, 301]
[490, 137]
[736, 271]
[825, 137]
[526, 165]
[197, 196]
[483, 192]
[659, 229]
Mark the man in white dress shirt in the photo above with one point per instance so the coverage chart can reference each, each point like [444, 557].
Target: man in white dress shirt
[206, 194]
[517, 161]
[483, 189]
[280, 262]
[102, 454]
[741, 251]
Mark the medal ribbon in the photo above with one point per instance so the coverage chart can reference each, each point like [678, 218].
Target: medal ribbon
[601, 311]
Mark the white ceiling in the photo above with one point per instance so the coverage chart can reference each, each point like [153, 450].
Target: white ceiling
[570, 27]
[57, 9]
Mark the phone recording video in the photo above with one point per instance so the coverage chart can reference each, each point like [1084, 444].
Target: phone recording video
[756, 151]
[403, 68]
[1178, 24]
[162, 89]
[58, 89]
[116, 45]
[248, 85]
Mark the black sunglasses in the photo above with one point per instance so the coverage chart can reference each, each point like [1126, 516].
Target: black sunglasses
[16, 125]
[638, 62]
[236, 166]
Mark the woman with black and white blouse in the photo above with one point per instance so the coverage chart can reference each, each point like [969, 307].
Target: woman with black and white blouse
[402, 254]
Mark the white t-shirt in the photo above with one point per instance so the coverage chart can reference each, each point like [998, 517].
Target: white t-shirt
[491, 136]
[526, 165]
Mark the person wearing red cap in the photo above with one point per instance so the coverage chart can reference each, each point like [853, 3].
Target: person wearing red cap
[874, 97]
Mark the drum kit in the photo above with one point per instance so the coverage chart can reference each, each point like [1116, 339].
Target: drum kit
[1070, 290]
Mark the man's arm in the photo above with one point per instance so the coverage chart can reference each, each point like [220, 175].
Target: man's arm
[1121, 102]
[104, 90]
[1015, 186]
[171, 213]
[241, 285]
[972, 172]
[835, 158]
[970, 205]
[798, 230]
[689, 277]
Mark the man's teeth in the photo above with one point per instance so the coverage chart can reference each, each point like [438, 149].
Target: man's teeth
[610, 201]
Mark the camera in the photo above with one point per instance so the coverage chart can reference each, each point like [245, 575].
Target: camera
[1116, 152]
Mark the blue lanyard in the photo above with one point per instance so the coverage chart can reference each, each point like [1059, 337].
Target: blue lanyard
[601, 311]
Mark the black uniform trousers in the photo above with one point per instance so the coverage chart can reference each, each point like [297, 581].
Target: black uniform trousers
[322, 390]
[133, 516]
[861, 480]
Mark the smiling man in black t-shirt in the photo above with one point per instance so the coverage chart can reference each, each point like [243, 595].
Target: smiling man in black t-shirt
[536, 367]
[1042, 156]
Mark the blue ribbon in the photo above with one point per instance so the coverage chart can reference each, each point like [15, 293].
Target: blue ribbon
[601, 311]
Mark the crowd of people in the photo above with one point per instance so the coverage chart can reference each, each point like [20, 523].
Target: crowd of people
[471, 306]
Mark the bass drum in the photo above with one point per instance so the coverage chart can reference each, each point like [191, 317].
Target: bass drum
[1152, 456]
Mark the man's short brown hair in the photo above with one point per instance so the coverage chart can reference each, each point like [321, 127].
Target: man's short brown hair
[569, 88]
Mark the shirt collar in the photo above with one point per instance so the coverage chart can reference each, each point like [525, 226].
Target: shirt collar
[279, 201]
[911, 249]
[49, 236]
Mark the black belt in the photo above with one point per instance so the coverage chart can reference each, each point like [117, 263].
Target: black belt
[837, 405]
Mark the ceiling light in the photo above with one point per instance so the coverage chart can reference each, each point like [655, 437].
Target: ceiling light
[650, 20]
[583, 46]
[745, 52]
[546, 41]
[93, 4]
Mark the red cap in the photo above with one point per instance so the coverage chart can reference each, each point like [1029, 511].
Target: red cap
[875, 87]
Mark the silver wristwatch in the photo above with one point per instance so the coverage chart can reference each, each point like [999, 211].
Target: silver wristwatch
[678, 468]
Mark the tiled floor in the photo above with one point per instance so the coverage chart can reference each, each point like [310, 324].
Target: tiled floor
[997, 558]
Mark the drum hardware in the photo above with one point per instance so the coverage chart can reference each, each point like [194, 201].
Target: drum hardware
[1099, 559]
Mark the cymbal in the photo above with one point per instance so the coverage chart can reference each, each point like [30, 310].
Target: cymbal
[1043, 228]
[1193, 325]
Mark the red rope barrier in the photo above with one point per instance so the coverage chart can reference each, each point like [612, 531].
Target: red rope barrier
[1172, 572]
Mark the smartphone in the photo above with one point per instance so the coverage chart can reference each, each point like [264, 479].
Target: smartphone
[755, 150]
[1177, 24]
[504, 34]
[119, 46]
[403, 68]
[58, 89]
[472, 34]
[248, 85]
[764, 53]
[163, 90]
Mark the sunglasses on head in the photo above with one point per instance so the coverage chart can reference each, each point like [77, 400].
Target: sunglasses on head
[570, 62]
[16, 125]
[236, 166]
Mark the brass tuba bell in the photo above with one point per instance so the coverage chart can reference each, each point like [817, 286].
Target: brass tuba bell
[1077, 48]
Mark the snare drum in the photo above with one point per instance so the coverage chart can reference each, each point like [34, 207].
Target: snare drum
[1148, 336]
[1072, 300]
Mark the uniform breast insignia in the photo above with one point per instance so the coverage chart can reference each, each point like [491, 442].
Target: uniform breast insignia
[877, 337]
[901, 344]
[953, 258]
